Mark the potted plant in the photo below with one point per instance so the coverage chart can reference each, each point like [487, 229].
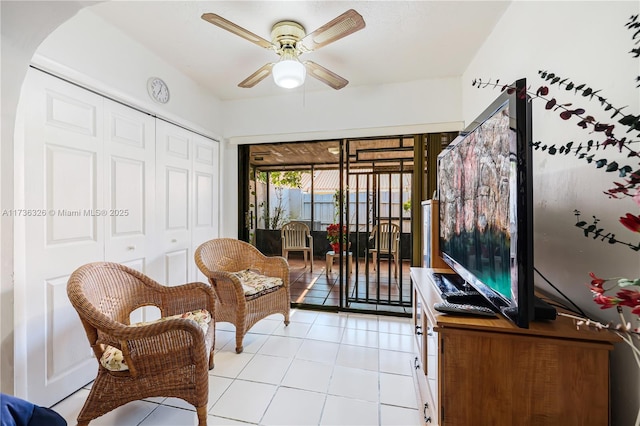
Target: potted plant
[333, 235]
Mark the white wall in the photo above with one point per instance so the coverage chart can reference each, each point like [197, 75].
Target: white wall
[88, 50]
[419, 106]
[587, 42]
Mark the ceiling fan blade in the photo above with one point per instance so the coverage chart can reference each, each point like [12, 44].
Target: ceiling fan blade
[257, 76]
[345, 24]
[219, 21]
[324, 75]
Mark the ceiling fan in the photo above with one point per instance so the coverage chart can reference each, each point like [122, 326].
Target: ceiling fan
[289, 41]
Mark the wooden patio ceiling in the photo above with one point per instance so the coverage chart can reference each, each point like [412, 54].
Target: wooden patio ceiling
[388, 154]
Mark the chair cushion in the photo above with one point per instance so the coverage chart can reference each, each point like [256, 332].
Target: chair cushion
[112, 358]
[255, 285]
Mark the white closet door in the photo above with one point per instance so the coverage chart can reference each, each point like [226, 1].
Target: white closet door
[174, 200]
[206, 188]
[62, 184]
[129, 193]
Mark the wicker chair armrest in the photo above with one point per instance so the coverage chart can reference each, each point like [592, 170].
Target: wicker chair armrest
[222, 279]
[273, 266]
[124, 332]
[165, 344]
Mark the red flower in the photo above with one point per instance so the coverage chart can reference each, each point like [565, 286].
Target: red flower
[333, 233]
[606, 301]
[629, 298]
[597, 282]
[631, 222]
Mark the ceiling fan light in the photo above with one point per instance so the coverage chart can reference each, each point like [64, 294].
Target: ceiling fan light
[289, 73]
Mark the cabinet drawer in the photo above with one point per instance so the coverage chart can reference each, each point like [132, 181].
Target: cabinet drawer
[425, 399]
[430, 350]
[431, 361]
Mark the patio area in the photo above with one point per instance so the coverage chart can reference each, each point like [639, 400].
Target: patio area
[321, 289]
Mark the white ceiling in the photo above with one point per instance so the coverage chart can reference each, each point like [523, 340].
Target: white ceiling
[403, 40]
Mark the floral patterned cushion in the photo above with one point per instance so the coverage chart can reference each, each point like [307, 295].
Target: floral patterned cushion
[112, 358]
[255, 285]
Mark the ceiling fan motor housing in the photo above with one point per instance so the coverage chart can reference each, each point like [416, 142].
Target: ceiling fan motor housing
[288, 72]
[287, 34]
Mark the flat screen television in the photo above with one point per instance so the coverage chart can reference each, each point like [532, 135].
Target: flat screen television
[486, 196]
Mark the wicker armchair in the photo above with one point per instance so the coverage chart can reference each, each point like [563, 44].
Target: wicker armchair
[170, 357]
[220, 260]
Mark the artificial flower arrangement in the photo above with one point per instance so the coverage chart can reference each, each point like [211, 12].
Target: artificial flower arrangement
[627, 291]
[333, 233]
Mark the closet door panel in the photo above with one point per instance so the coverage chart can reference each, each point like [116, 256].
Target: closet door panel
[129, 195]
[176, 198]
[204, 200]
[60, 183]
[174, 202]
[127, 205]
[69, 213]
[177, 267]
[206, 184]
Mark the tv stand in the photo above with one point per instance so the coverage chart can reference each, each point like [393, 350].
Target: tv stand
[487, 371]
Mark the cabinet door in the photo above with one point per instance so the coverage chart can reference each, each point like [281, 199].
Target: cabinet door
[417, 321]
[431, 357]
[424, 368]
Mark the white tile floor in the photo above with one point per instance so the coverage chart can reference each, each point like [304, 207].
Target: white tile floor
[323, 369]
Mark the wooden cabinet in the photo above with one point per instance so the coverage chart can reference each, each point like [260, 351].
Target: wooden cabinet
[425, 366]
[474, 370]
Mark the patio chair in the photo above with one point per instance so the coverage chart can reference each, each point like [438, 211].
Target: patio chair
[248, 285]
[297, 237]
[384, 240]
[169, 357]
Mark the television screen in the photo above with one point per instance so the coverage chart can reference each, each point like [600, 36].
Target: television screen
[485, 193]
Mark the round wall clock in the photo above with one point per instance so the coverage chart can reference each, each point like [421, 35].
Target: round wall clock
[158, 90]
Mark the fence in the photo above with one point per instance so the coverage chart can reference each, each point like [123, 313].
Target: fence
[294, 204]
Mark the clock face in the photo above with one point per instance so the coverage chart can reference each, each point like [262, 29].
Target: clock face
[158, 90]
